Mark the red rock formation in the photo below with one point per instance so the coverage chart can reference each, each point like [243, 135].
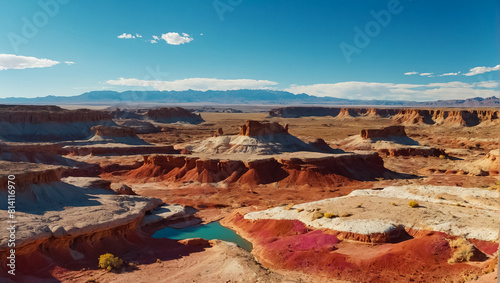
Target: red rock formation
[255, 128]
[383, 113]
[219, 132]
[44, 114]
[173, 114]
[398, 131]
[106, 131]
[467, 118]
[413, 116]
[26, 174]
[413, 151]
[351, 112]
[462, 118]
[308, 171]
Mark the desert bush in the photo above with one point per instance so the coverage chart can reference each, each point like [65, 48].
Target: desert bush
[300, 209]
[289, 206]
[346, 214]
[442, 156]
[330, 215]
[317, 215]
[413, 204]
[109, 262]
[463, 250]
[395, 204]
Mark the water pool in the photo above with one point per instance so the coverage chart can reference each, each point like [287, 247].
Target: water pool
[210, 231]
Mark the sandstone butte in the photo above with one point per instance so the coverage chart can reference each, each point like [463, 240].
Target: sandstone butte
[389, 141]
[173, 114]
[454, 117]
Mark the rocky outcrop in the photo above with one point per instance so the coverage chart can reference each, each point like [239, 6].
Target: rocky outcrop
[297, 112]
[113, 135]
[382, 113]
[44, 114]
[397, 131]
[254, 137]
[122, 189]
[413, 116]
[321, 146]
[410, 116]
[313, 171]
[141, 127]
[351, 112]
[256, 128]
[173, 115]
[218, 132]
[24, 174]
[413, 151]
[120, 150]
[48, 123]
[106, 131]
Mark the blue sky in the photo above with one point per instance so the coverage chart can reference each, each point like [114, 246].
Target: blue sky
[325, 48]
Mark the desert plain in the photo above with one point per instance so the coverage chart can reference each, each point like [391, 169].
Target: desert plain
[322, 194]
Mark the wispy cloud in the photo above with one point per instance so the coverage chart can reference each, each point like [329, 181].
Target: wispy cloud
[426, 74]
[138, 35]
[201, 84]
[126, 36]
[411, 73]
[392, 91]
[449, 74]
[482, 70]
[174, 38]
[11, 61]
[69, 62]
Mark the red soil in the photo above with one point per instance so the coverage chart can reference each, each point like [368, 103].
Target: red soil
[287, 244]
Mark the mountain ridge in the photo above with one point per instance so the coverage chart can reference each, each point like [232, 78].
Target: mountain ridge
[228, 97]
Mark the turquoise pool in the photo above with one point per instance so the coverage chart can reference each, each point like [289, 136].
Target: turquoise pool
[209, 231]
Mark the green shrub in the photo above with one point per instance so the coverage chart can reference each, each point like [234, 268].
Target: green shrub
[413, 204]
[109, 262]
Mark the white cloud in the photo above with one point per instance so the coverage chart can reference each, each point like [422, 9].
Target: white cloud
[156, 37]
[174, 38]
[69, 62]
[126, 36]
[391, 91]
[153, 41]
[138, 35]
[482, 70]
[11, 61]
[201, 84]
[411, 73]
[426, 74]
[201, 33]
[449, 74]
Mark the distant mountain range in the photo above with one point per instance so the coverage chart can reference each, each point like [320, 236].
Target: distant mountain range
[265, 97]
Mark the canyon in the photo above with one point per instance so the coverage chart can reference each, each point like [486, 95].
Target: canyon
[323, 194]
